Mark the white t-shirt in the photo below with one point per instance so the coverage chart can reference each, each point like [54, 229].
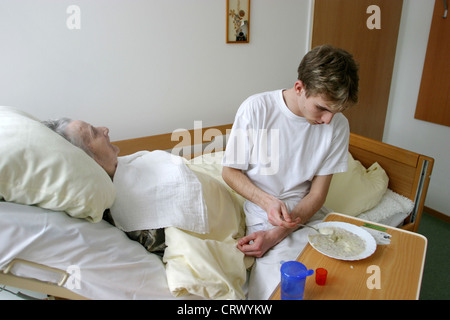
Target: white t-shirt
[281, 152]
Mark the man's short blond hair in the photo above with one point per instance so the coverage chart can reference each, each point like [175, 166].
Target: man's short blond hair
[331, 73]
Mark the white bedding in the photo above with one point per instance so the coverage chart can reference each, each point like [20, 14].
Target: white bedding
[113, 267]
[202, 221]
[195, 265]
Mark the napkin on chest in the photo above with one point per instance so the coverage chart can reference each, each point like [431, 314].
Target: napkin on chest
[157, 190]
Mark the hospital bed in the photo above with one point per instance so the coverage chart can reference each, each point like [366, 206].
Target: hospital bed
[77, 255]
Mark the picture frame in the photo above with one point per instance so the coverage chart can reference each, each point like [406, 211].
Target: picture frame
[238, 21]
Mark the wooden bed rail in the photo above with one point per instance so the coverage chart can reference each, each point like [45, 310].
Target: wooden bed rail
[409, 172]
[47, 287]
[168, 141]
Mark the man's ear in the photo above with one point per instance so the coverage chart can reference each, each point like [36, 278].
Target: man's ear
[299, 87]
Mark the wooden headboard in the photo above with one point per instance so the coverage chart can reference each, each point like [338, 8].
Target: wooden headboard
[409, 173]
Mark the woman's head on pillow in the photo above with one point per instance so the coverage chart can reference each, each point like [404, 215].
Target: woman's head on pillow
[93, 140]
[39, 167]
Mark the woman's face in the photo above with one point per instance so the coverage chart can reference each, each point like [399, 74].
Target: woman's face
[97, 141]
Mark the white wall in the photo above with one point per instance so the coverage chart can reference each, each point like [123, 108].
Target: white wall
[143, 67]
[401, 128]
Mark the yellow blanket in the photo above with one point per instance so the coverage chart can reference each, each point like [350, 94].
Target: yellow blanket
[209, 265]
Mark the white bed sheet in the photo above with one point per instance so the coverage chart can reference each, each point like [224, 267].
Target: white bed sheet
[110, 265]
[114, 267]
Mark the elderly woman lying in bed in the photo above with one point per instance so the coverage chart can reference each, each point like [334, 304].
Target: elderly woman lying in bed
[96, 143]
[161, 200]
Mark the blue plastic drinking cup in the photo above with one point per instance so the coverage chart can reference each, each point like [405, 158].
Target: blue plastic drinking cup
[293, 276]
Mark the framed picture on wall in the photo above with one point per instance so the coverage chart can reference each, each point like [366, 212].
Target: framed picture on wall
[238, 21]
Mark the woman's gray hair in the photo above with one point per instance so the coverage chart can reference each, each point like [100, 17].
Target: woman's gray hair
[60, 126]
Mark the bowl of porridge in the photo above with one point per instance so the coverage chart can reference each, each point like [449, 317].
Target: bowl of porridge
[343, 241]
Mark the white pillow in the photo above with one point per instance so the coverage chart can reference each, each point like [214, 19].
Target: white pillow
[357, 190]
[39, 167]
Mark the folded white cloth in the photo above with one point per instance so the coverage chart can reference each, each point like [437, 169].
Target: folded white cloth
[157, 190]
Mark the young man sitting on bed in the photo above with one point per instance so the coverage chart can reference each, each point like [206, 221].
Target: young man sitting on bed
[285, 145]
[95, 142]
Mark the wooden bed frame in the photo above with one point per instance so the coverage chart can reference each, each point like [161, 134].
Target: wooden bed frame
[409, 175]
[409, 172]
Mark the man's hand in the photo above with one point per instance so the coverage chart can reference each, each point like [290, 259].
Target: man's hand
[276, 210]
[278, 214]
[256, 244]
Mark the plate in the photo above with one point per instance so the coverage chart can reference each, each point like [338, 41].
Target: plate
[369, 240]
